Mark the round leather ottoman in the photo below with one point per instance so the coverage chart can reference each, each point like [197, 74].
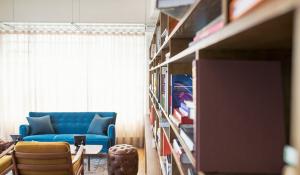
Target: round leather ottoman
[122, 160]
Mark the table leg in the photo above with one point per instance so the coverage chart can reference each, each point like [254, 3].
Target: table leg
[89, 163]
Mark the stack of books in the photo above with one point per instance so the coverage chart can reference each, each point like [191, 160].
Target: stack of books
[181, 92]
[187, 134]
[180, 153]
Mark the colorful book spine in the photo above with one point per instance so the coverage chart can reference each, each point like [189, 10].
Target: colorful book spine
[166, 150]
[211, 28]
[164, 87]
[187, 139]
[181, 89]
[182, 119]
[184, 107]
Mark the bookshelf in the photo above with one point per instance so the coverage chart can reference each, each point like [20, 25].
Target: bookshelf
[245, 83]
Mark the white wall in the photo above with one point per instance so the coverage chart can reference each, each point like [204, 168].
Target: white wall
[85, 11]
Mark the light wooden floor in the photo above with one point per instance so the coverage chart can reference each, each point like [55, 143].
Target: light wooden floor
[141, 161]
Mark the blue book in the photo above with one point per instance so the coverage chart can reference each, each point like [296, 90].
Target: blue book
[181, 89]
[184, 107]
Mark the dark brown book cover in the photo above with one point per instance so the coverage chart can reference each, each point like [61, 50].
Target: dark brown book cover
[240, 116]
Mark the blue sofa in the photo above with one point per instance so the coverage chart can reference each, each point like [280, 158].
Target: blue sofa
[68, 124]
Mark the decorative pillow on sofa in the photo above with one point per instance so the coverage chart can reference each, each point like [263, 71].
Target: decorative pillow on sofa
[99, 125]
[40, 125]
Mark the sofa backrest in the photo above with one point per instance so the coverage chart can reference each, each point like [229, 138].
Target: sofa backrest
[72, 122]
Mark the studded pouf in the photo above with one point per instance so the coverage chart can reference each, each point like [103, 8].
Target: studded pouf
[122, 160]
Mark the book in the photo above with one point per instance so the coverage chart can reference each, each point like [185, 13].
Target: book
[158, 37]
[153, 50]
[166, 146]
[168, 55]
[181, 89]
[238, 8]
[172, 22]
[183, 112]
[164, 87]
[164, 37]
[191, 172]
[152, 113]
[181, 118]
[190, 105]
[179, 151]
[174, 120]
[177, 148]
[184, 107]
[211, 28]
[187, 134]
[163, 122]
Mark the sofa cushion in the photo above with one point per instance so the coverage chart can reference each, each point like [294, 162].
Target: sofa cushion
[40, 125]
[99, 125]
[72, 122]
[43, 138]
[90, 138]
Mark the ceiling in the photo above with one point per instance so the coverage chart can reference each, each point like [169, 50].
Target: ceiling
[79, 11]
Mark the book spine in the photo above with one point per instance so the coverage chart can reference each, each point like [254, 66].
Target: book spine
[210, 30]
[187, 140]
[164, 87]
[176, 147]
[183, 111]
[182, 119]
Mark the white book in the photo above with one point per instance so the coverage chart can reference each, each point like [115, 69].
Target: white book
[183, 112]
[168, 55]
[176, 147]
[187, 140]
[153, 50]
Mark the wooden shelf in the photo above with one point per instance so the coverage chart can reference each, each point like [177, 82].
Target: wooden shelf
[245, 33]
[152, 163]
[181, 167]
[265, 32]
[181, 141]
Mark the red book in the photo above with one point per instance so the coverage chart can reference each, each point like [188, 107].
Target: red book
[151, 117]
[210, 29]
[166, 146]
[181, 118]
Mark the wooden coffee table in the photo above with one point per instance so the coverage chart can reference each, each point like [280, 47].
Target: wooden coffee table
[90, 151]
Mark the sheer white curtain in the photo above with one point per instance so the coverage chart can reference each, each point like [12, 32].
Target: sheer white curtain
[74, 72]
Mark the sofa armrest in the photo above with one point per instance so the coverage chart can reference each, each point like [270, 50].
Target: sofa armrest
[24, 130]
[111, 132]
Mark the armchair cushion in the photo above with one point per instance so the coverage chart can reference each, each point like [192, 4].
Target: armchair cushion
[40, 125]
[99, 125]
[5, 162]
[60, 156]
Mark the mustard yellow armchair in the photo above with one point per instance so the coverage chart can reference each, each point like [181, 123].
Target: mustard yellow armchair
[46, 158]
[6, 161]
